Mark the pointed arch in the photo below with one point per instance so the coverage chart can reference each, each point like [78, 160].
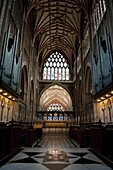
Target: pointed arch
[56, 67]
[55, 93]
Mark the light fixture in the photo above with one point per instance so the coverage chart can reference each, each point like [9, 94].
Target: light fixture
[107, 95]
[1, 90]
[111, 92]
[98, 100]
[9, 97]
[91, 91]
[5, 94]
[102, 98]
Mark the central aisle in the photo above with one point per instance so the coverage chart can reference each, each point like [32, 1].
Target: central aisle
[55, 152]
[56, 138]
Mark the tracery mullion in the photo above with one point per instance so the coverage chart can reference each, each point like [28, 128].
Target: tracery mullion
[58, 71]
[61, 70]
[50, 72]
[65, 73]
[53, 69]
[65, 70]
[46, 73]
[52, 75]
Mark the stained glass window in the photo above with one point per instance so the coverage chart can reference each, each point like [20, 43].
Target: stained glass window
[56, 68]
[56, 106]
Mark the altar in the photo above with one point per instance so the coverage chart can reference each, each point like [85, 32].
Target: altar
[56, 124]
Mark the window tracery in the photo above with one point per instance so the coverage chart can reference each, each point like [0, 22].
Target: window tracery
[56, 68]
[55, 106]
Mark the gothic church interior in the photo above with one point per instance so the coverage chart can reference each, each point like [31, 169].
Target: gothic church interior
[56, 84]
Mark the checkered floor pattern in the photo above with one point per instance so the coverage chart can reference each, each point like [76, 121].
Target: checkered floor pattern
[55, 152]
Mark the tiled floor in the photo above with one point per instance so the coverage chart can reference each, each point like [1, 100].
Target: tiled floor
[55, 152]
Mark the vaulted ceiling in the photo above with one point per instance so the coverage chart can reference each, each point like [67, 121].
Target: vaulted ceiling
[57, 25]
[53, 94]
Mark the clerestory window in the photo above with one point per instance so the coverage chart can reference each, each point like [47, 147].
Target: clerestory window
[98, 13]
[56, 68]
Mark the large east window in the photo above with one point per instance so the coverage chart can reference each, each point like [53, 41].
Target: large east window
[56, 68]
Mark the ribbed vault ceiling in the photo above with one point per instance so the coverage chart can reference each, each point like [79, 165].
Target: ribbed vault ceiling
[53, 94]
[57, 24]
